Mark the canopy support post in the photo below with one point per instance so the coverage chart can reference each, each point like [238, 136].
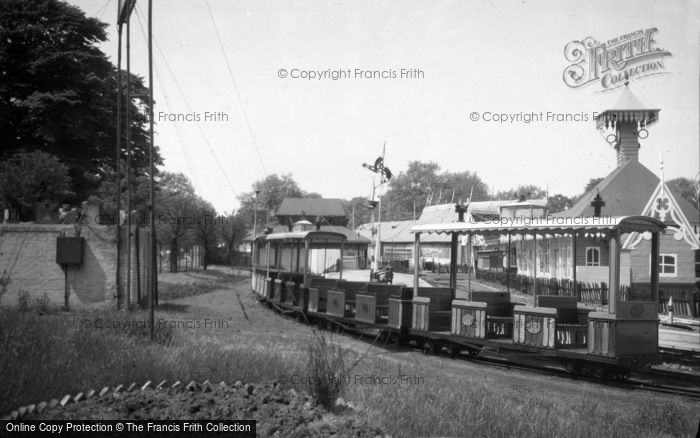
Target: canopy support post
[573, 265]
[614, 272]
[307, 251]
[508, 266]
[534, 264]
[654, 280]
[470, 254]
[342, 253]
[453, 264]
[416, 263]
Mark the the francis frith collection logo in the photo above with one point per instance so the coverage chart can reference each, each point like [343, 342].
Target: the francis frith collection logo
[612, 63]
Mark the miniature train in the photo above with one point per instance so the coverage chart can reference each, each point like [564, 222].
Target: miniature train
[556, 328]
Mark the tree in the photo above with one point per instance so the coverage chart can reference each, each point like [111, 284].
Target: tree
[423, 184]
[359, 210]
[205, 228]
[30, 177]
[529, 191]
[231, 231]
[140, 194]
[411, 190]
[686, 188]
[465, 186]
[558, 202]
[591, 184]
[176, 213]
[58, 91]
[272, 190]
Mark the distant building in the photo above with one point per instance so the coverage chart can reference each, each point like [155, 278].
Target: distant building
[323, 214]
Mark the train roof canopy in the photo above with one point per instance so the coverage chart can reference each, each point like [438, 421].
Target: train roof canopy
[550, 225]
[311, 236]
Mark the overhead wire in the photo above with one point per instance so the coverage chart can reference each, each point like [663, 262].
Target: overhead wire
[102, 10]
[189, 109]
[235, 87]
[178, 133]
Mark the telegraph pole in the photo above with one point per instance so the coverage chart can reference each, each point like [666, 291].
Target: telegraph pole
[153, 290]
[255, 232]
[124, 9]
[128, 163]
[118, 166]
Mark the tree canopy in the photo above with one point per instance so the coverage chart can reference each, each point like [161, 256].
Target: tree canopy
[686, 188]
[271, 192]
[30, 177]
[58, 91]
[423, 184]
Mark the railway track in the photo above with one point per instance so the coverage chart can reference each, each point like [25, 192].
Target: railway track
[653, 380]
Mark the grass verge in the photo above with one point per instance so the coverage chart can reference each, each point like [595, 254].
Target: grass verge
[45, 356]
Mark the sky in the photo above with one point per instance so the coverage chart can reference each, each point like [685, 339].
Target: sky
[246, 107]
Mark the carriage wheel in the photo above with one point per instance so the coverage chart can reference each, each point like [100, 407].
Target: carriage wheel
[455, 350]
[622, 374]
[571, 368]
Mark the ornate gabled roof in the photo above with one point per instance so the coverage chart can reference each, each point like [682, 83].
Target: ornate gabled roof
[627, 108]
[626, 191]
[662, 205]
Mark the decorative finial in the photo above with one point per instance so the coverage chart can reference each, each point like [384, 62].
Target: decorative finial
[661, 170]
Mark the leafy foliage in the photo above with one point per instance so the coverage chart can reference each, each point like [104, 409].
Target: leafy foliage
[30, 177]
[231, 231]
[58, 91]
[423, 184]
[140, 193]
[685, 188]
[591, 184]
[529, 191]
[359, 210]
[558, 202]
[205, 229]
[271, 192]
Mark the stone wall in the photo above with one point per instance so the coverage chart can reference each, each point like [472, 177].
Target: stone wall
[28, 265]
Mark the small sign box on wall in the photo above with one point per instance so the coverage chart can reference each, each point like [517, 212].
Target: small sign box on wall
[69, 250]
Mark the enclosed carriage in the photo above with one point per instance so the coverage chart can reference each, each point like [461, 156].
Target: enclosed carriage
[282, 272]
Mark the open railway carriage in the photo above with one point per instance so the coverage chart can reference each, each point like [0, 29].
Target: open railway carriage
[282, 272]
[556, 326]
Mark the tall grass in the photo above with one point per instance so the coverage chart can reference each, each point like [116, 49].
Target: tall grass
[43, 357]
[442, 404]
[48, 356]
[327, 368]
[330, 367]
